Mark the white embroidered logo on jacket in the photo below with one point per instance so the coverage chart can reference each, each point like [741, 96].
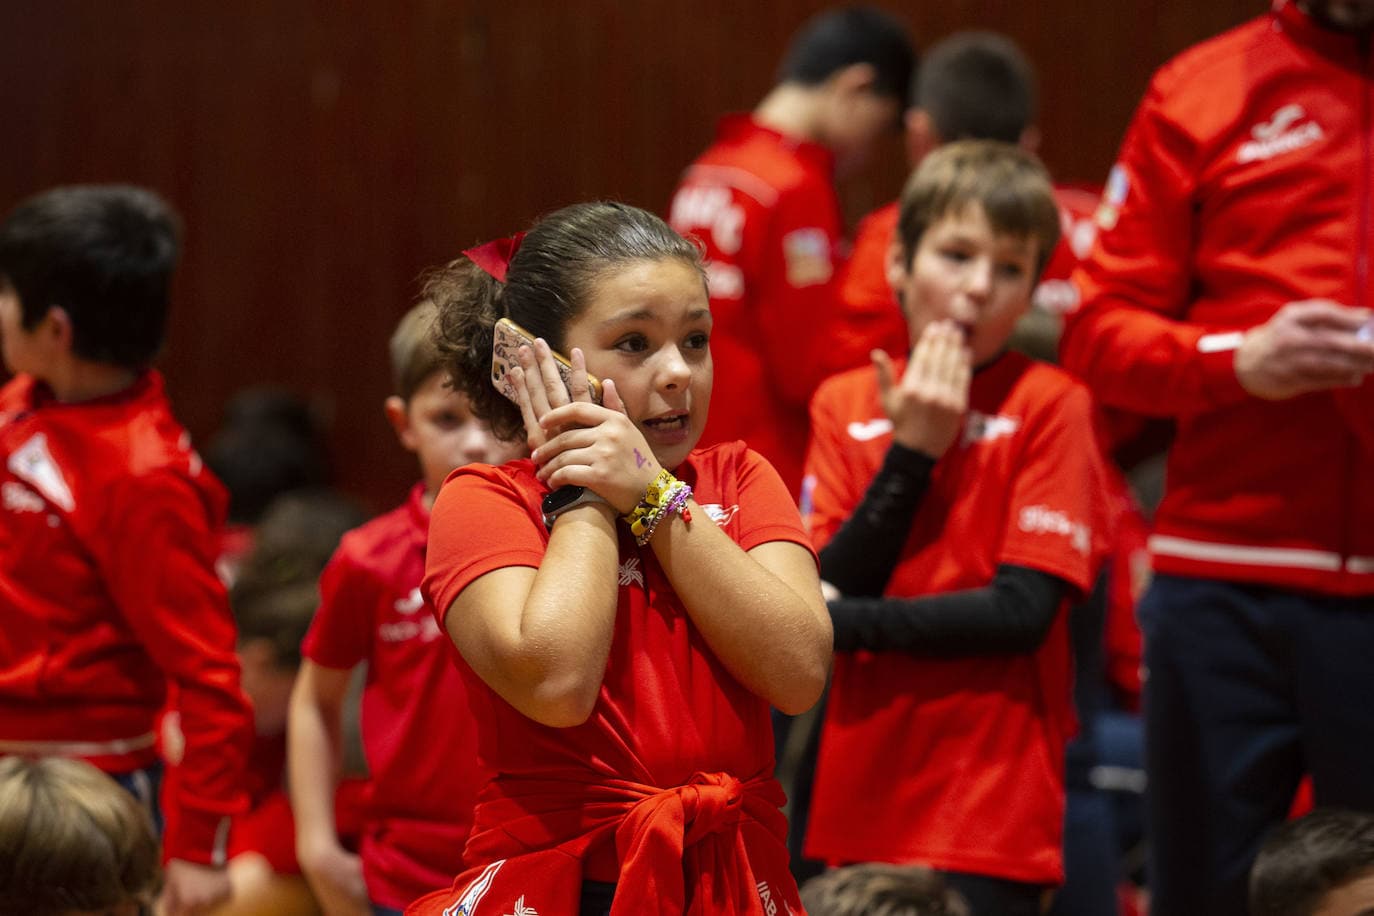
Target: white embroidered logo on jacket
[1280, 134]
[467, 904]
[19, 498]
[521, 909]
[34, 464]
[869, 430]
[982, 427]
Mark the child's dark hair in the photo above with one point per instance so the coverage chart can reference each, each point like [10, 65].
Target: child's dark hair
[1009, 183]
[836, 39]
[294, 540]
[71, 840]
[976, 86]
[547, 285]
[1305, 859]
[880, 889]
[102, 253]
[414, 352]
[279, 616]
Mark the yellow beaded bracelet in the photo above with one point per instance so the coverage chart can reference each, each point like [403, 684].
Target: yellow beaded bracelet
[664, 496]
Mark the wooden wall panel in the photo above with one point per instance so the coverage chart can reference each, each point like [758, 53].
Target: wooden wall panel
[323, 153]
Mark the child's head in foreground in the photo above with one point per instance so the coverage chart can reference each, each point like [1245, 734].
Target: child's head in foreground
[880, 889]
[72, 842]
[1321, 864]
[430, 418]
[84, 273]
[978, 221]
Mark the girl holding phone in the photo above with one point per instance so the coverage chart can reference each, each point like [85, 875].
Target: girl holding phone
[630, 638]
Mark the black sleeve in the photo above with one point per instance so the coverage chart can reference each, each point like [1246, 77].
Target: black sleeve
[860, 558]
[1010, 616]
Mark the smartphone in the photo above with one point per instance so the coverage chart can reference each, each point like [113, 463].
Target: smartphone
[505, 350]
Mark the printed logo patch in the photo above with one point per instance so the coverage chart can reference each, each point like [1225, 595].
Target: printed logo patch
[719, 514]
[521, 909]
[630, 573]
[1280, 134]
[1044, 520]
[808, 257]
[1113, 196]
[869, 429]
[19, 498]
[473, 894]
[410, 603]
[981, 427]
[33, 464]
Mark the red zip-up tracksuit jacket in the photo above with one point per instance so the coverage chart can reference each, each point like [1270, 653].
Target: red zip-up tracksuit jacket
[1244, 183]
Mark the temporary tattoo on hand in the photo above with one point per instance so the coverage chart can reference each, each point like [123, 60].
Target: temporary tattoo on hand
[640, 460]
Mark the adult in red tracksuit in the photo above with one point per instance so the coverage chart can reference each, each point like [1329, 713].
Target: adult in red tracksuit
[761, 200]
[1227, 290]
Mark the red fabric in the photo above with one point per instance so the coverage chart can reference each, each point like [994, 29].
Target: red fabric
[869, 315]
[1128, 575]
[712, 846]
[959, 763]
[371, 610]
[764, 206]
[667, 711]
[1241, 186]
[109, 594]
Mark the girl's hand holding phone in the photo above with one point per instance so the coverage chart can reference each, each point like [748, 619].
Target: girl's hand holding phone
[539, 387]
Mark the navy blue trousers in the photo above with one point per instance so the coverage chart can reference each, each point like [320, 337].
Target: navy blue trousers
[1248, 688]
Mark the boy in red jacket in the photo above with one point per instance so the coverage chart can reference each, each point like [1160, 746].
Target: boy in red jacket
[108, 595]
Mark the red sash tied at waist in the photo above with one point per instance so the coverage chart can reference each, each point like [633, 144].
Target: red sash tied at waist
[714, 845]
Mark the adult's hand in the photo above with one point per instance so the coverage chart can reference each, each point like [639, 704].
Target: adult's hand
[1306, 346]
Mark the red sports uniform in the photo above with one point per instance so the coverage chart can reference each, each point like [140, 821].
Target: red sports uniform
[675, 744]
[872, 318]
[1242, 185]
[959, 763]
[108, 595]
[764, 206]
[418, 732]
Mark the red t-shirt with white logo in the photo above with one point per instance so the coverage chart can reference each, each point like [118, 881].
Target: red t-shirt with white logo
[667, 709]
[418, 730]
[959, 763]
[765, 208]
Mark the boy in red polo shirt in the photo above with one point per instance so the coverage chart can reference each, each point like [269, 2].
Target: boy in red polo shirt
[762, 201]
[109, 602]
[422, 763]
[956, 503]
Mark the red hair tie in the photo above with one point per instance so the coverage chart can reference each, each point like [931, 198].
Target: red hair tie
[494, 257]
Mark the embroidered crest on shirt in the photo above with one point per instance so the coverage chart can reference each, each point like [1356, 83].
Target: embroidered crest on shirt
[33, 464]
[467, 903]
[719, 514]
[1280, 134]
[521, 909]
[630, 574]
[807, 253]
[982, 427]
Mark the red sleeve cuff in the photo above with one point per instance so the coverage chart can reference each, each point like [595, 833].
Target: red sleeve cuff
[195, 835]
[1217, 361]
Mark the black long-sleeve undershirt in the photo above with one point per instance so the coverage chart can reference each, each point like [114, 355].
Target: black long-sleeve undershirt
[1010, 615]
[1007, 617]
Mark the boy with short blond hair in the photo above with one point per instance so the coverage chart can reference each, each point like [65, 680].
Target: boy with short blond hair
[954, 501]
[423, 766]
[109, 601]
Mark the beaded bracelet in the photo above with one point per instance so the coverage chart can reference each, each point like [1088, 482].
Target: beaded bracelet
[664, 496]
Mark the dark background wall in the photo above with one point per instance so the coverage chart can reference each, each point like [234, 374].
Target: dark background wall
[324, 153]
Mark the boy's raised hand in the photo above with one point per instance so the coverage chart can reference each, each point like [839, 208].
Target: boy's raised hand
[927, 405]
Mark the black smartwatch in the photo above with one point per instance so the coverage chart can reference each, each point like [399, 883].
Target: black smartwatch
[564, 498]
